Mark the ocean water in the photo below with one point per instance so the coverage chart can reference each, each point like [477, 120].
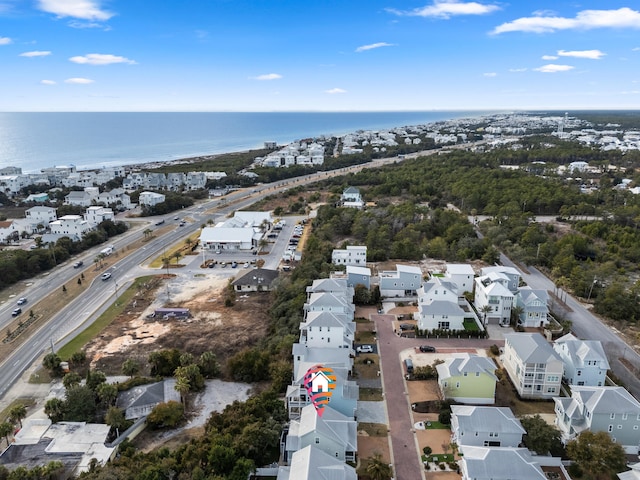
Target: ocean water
[92, 140]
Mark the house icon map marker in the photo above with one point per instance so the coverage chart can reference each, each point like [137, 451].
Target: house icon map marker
[320, 381]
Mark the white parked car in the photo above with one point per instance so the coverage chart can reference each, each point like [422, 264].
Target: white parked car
[364, 349]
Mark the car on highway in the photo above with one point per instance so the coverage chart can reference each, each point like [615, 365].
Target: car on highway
[427, 348]
[364, 349]
[105, 276]
[16, 312]
[21, 301]
[78, 264]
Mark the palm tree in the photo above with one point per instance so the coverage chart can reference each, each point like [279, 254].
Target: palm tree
[130, 367]
[5, 430]
[377, 469]
[515, 314]
[17, 413]
[147, 233]
[177, 256]
[486, 309]
[188, 242]
[165, 262]
[182, 386]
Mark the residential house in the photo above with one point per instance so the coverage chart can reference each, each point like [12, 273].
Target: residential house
[139, 401]
[338, 286]
[404, 281]
[352, 255]
[175, 181]
[534, 306]
[75, 445]
[476, 426]
[116, 198]
[511, 274]
[344, 398]
[328, 330]
[333, 433]
[493, 299]
[585, 362]
[633, 474]
[72, 226]
[351, 198]
[37, 198]
[468, 378]
[8, 231]
[150, 199]
[96, 215]
[40, 215]
[358, 276]
[490, 463]
[533, 365]
[600, 409]
[81, 199]
[12, 184]
[311, 463]
[462, 275]
[440, 307]
[329, 302]
[196, 180]
[256, 280]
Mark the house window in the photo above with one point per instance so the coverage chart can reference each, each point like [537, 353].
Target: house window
[551, 390]
[579, 372]
[464, 374]
[610, 429]
[457, 384]
[477, 374]
[635, 427]
[445, 384]
[612, 416]
[624, 416]
[553, 378]
[619, 427]
[317, 440]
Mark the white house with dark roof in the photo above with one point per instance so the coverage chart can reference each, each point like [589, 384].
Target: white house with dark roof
[585, 362]
[352, 255]
[256, 280]
[333, 433]
[311, 463]
[404, 281]
[535, 307]
[600, 409]
[493, 299]
[467, 378]
[462, 274]
[477, 426]
[535, 369]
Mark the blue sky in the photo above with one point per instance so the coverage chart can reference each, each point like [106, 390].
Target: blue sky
[348, 55]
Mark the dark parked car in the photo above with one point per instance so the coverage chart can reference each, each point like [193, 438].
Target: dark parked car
[427, 348]
[406, 326]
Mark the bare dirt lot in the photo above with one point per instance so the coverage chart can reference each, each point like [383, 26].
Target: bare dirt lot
[211, 327]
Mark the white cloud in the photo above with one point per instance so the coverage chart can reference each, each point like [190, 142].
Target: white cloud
[333, 91]
[490, 74]
[372, 46]
[84, 9]
[585, 20]
[79, 81]
[268, 76]
[591, 54]
[100, 59]
[5, 40]
[47, 82]
[635, 49]
[447, 8]
[35, 53]
[515, 70]
[549, 57]
[553, 68]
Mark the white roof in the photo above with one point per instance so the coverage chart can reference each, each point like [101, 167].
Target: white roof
[311, 463]
[226, 235]
[358, 270]
[409, 269]
[460, 269]
[497, 463]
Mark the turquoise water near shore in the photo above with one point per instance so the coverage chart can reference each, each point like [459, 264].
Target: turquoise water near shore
[91, 140]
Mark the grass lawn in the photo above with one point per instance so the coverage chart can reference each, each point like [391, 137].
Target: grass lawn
[371, 394]
[365, 337]
[374, 429]
[180, 246]
[439, 457]
[104, 320]
[435, 425]
[367, 370]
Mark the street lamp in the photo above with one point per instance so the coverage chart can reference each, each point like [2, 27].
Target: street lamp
[595, 280]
